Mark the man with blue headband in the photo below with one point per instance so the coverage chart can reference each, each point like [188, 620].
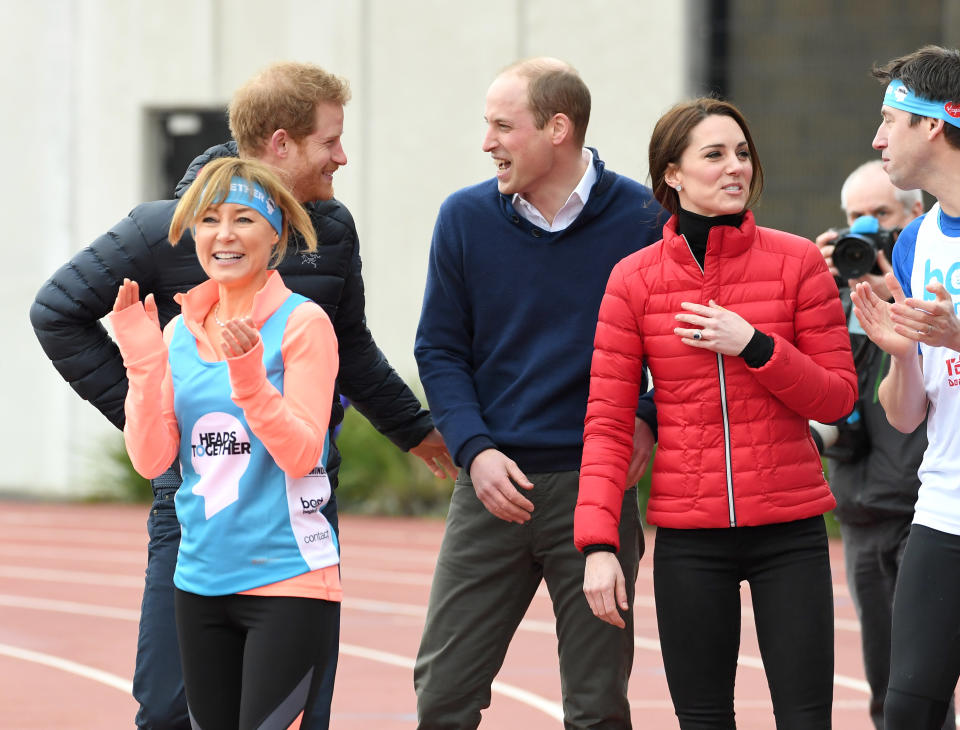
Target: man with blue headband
[919, 143]
[872, 466]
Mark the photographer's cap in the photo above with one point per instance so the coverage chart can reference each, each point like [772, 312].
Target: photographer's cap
[899, 96]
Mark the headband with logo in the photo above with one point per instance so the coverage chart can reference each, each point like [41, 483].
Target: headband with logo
[252, 195]
[900, 97]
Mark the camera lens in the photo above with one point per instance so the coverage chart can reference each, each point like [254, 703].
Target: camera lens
[854, 255]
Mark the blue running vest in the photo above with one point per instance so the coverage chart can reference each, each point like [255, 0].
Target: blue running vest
[244, 522]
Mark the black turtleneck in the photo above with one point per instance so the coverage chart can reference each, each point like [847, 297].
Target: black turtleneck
[695, 228]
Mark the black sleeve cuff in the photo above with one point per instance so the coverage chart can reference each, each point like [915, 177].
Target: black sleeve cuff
[601, 548]
[647, 412]
[758, 351]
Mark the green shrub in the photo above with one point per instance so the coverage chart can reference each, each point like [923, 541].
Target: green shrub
[114, 475]
[377, 478]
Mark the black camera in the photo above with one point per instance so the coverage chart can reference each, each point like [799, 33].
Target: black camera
[855, 249]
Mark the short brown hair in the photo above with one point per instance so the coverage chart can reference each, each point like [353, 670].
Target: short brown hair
[555, 87]
[932, 72]
[213, 185]
[671, 137]
[282, 96]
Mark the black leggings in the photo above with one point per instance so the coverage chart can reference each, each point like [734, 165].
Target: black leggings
[252, 661]
[697, 576]
[925, 645]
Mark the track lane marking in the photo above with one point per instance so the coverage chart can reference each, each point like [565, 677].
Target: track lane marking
[547, 627]
[538, 702]
[83, 577]
[71, 667]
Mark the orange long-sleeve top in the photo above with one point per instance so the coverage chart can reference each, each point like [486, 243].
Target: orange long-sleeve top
[292, 425]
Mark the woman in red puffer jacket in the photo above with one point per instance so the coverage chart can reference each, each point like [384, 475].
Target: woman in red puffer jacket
[744, 334]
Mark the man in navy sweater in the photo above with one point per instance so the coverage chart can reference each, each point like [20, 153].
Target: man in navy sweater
[518, 265]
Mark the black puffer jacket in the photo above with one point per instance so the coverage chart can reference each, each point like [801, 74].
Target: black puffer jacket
[68, 308]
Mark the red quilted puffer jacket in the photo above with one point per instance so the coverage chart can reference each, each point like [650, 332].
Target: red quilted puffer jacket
[734, 444]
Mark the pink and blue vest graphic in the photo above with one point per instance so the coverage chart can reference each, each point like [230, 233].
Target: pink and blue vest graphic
[245, 523]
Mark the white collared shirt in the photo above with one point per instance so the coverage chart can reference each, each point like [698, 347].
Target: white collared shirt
[570, 210]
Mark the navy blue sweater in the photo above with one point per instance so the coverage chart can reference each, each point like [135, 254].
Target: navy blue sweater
[509, 315]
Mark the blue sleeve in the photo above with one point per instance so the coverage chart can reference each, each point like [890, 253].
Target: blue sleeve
[444, 348]
[903, 252]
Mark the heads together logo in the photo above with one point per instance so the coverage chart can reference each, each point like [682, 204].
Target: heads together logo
[219, 453]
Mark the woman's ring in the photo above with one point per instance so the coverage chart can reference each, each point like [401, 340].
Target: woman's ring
[697, 335]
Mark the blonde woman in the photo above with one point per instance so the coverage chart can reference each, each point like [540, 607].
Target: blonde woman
[238, 388]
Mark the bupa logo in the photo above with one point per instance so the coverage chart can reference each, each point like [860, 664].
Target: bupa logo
[951, 282]
[310, 506]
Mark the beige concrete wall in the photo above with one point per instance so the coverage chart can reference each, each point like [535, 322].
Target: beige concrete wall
[78, 75]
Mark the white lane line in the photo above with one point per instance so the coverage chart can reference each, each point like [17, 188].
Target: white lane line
[362, 604]
[384, 576]
[375, 576]
[851, 625]
[535, 626]
[79, 609]
[65, 665]
[548, 627]
[381, 555]
[67, 515]
[839, 680]
[25, 572]
[553, 709]
[33, 535]
[62, 554]
[840, 624]
[858, 705]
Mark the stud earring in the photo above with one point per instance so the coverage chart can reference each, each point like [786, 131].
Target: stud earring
[679, 187]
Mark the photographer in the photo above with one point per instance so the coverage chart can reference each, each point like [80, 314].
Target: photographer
[872, 466]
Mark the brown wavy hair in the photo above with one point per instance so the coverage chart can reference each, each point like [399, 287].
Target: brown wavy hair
[671, 137]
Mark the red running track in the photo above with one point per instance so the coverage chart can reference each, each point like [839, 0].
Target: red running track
[71, 578]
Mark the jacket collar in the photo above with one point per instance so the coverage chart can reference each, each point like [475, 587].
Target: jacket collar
[724, 241]
[595, 203]
[197, 302]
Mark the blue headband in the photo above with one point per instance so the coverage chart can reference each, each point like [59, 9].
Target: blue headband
[900, 97]
[252, 195]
